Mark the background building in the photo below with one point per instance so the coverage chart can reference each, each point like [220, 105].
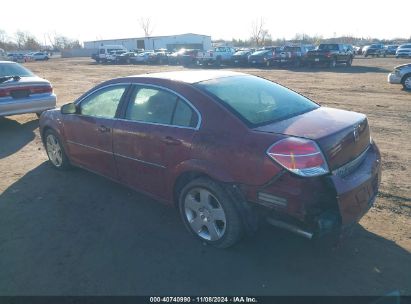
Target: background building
[171, 43]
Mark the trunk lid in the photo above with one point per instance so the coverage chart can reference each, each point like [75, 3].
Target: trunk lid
[341, 135]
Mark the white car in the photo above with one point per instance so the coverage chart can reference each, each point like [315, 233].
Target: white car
[403, 50]
[401, 75]
[38, 56]
[112, 56]
[141, 58]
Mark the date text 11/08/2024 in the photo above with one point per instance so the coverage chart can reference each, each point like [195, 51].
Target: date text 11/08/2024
[203, 300]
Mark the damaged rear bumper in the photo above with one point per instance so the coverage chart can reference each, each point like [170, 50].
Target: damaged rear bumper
[320, 206]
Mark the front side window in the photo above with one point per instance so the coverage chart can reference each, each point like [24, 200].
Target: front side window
[154, 105]
[104, 102]
[255, 100]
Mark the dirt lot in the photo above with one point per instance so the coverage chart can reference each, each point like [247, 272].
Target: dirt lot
[77, 233]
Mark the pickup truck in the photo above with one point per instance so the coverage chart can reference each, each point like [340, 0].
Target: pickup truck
[217, 56]
[330, 54]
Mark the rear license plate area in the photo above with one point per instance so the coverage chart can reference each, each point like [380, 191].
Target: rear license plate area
[18, 94]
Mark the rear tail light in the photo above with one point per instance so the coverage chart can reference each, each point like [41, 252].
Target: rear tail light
[6, 92]
[300, 156]
[41, 89]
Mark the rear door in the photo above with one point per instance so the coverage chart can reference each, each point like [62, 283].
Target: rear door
[153, 137]
[89, 133]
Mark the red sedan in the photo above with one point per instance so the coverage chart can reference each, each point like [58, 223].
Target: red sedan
[225, 148]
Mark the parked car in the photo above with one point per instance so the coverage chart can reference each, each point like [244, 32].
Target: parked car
[330, 54]
[403, 50]
[183, 57]
[159, 56]
[140, 58]
[290, 55]
[16, 57]
[23, 92]
[217, 56]
[391, 49]
[37, 56]
[104, 50]
[261, 58]
[241, 57]
[125, 57]
[376, 50]
[111, 57]
[222, 147]
[401, 75]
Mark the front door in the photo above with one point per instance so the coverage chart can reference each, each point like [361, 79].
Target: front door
[153, 138]
[89, 132]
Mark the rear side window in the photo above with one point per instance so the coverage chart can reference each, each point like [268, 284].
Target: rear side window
[154, 105]
[184, 115]
[255, 100]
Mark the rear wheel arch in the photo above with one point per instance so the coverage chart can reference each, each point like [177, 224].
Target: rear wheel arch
[182, 180]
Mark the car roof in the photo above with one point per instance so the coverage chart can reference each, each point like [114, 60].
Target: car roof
[190, 76]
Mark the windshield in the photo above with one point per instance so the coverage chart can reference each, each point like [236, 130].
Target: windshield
[258, 53]
[255, 100]
[241, 53]
[14, 69]
[328, 47]
[292, 49]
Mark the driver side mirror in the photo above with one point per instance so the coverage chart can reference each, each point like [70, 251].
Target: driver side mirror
[69, 108]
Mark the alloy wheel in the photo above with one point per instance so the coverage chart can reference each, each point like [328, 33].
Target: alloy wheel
[54, 150]
[205, 214]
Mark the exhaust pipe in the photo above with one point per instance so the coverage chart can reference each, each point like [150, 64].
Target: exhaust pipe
[289, 227]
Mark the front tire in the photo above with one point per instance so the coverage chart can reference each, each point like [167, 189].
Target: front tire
[209, 213]
[333, 63]
[406, 82]
[55, 151]
[349, 62]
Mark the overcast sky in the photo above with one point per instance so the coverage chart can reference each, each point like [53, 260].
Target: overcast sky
[91, 20]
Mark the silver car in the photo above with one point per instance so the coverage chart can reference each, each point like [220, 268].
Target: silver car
[23, 92]
[401, 75]
[403, 51]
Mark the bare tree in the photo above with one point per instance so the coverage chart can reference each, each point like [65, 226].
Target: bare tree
[258, 33]
[146, 25]
[3, 36]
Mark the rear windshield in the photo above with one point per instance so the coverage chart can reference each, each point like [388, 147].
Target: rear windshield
[255, 100]
[13, 69]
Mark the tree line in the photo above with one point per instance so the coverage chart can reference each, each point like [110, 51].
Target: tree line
[23, 40]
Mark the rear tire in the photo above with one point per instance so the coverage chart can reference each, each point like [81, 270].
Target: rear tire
[55, 151]
[209, 213]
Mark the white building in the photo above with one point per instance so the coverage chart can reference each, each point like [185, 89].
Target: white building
[171, 43]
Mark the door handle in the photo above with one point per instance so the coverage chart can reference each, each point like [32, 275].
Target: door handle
[171, 141]
[103, 129]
